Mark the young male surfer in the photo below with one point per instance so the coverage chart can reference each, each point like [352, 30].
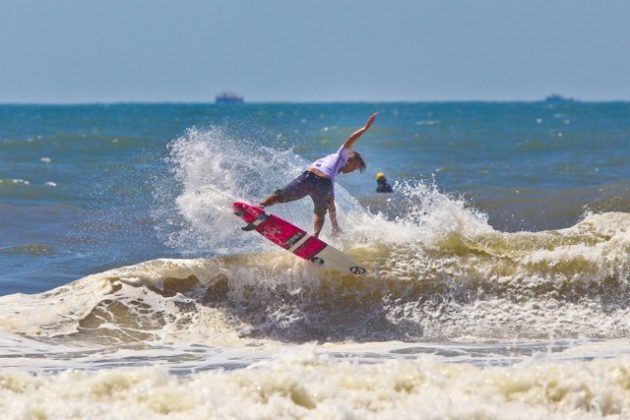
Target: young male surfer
[319, 179]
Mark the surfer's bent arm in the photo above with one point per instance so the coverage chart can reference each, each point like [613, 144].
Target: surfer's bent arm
[355, 136]
[332, 211]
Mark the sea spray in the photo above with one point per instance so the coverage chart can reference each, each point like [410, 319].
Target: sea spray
[212, 168]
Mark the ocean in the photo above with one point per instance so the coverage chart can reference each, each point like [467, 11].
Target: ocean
[498, 281]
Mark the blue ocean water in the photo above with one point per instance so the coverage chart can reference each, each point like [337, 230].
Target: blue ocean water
[498, 281]
[78, 183]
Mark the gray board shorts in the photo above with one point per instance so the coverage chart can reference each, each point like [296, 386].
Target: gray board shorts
[320, 189]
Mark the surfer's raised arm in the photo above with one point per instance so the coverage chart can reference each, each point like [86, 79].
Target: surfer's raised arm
[355, 136]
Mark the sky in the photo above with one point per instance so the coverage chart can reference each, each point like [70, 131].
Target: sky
[77, 51]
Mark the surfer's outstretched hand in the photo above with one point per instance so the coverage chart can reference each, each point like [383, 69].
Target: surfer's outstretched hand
[371, 120]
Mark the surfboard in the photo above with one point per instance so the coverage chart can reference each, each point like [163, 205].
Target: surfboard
[295, 240]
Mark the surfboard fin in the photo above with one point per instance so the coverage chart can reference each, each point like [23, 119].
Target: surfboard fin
[248, 227]
[259, 219]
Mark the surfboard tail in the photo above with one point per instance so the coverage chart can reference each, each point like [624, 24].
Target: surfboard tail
[249, 213]
[252, 215]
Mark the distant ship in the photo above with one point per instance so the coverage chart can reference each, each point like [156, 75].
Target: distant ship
[228, 98]
[556, 99]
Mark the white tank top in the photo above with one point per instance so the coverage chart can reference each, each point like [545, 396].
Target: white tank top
[331, 165]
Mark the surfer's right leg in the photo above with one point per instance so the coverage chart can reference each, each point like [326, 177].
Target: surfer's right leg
[269, 201]
[295, 190]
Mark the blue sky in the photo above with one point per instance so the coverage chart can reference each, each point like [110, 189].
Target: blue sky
[67, 51]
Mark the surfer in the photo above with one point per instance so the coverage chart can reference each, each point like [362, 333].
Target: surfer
[381, 184]
[319, 179]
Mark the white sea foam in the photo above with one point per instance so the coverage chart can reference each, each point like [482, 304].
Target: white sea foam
[306, 384]
[468, 281]
[15, 181]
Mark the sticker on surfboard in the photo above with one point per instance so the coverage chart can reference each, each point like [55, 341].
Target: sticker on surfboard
[294, 239]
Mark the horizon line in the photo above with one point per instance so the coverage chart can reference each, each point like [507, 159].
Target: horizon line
[280, 102]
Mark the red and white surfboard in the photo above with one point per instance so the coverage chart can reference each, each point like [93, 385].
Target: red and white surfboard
[295, 240]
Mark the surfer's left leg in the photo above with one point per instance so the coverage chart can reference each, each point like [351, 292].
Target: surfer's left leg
[318, 224]
[321, 195]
